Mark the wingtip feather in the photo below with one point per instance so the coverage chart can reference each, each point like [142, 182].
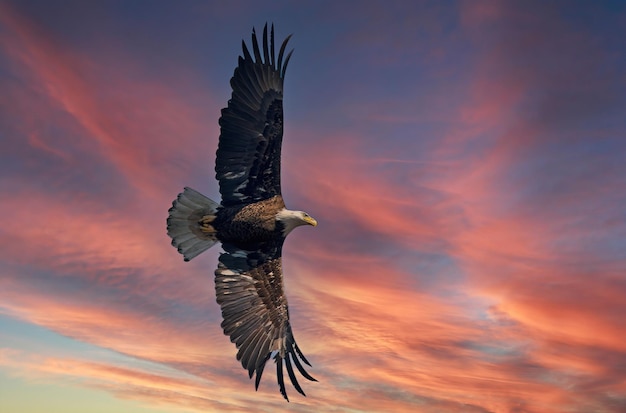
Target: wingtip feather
[281, 52]
[284, 69]
[292, 376]
[272, 48]
[266, 54]
[279, 376]
[255, 47]
[259, 373]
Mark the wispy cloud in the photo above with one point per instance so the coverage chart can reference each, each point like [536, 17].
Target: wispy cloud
[122, 116]
[470, 252]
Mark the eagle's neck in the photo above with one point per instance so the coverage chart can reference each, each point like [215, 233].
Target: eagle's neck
[289, 220]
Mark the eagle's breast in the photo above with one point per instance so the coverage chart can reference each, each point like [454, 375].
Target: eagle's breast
[251, 223]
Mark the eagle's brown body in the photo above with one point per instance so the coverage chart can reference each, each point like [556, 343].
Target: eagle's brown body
[250, 224]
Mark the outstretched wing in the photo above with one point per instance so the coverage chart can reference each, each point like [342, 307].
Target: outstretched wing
[248, 155]
[249, 289]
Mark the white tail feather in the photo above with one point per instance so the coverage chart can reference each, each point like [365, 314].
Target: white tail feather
[183, 223]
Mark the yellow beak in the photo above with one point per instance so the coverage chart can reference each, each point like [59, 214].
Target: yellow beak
[310, 221]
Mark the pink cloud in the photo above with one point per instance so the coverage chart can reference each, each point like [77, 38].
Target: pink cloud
[160, 387]
[137, 123]
[525, 310]
[123, 328]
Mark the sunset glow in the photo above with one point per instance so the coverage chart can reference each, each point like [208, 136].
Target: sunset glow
[465, 161]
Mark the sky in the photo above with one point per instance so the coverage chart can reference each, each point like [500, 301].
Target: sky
[464, 160]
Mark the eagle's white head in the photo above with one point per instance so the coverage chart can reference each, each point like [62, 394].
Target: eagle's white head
[291, 219]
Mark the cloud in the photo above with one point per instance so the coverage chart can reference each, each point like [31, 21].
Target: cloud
[151, 385]
[469, 255]
[129, 121]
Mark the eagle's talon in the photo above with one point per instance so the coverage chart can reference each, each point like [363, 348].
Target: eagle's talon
[207, 219]
[205, 224]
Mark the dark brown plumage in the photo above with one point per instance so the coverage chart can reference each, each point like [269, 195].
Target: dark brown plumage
[251, 222]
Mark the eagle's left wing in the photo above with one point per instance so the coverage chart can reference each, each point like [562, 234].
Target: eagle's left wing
[249, 289]
[247, 163]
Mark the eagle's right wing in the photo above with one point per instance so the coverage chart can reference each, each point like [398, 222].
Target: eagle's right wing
[249, 289]
[248, 156]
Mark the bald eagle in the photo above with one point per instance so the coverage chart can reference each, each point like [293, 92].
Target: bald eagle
[252, 221]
